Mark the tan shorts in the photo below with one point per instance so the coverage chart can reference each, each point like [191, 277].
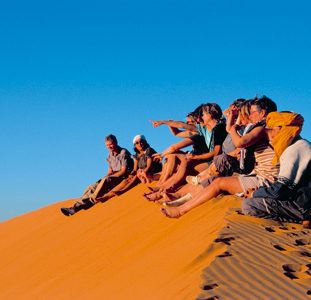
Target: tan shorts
[252, 181]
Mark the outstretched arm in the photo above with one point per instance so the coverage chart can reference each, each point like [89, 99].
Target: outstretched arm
[206, 156]
[174, 124]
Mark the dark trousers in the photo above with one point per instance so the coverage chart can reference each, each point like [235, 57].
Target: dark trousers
[272, 209]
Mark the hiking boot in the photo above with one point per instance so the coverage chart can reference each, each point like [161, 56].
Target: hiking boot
[68, 211]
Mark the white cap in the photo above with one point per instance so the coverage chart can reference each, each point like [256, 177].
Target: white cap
[138, 138]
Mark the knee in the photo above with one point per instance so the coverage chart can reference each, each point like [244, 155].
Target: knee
[248, 207]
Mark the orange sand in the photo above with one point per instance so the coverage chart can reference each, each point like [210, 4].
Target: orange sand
[126, 249]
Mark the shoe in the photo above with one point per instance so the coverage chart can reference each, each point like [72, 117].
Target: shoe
[179, 201]
[194, 180]
[68, 211]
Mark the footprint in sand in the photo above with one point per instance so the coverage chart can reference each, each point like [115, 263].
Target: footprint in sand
[297, 271]
[285, 248]
[207, 287]
[302, 242]
[292, 234]
[208, 297]
[305, 253]
[225, 240]
[225, 254]
[270, 229]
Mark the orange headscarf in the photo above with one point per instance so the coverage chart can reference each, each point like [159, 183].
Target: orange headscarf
[291, 124]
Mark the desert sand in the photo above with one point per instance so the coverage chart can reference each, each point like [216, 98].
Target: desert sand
[126, 249]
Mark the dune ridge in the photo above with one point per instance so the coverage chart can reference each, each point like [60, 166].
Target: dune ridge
[125, 249]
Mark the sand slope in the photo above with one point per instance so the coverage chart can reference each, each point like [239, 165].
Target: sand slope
[126, 249]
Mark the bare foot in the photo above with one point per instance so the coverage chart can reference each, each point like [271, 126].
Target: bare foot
[154, 189]
[171, 212]
[153, 196]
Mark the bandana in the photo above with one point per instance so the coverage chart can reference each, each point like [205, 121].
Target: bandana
[138, 137]
[291, 124]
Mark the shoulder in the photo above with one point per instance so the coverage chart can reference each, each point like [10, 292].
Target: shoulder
[220, 127]
[150, 151]
[124, 152]
[299, 148]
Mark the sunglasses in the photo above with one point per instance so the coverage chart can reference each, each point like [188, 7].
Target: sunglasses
[139, 142]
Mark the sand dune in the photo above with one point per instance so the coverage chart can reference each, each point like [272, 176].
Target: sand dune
[126, 249]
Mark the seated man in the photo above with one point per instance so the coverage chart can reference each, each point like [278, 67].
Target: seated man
[120, 165]
[289, 198]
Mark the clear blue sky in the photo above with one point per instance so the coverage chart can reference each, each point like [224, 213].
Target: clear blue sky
[72, 72]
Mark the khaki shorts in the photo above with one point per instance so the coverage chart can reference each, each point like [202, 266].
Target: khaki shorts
[252, 181]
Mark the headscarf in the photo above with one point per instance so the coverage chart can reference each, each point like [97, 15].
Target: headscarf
[291, 124]
[138, 137]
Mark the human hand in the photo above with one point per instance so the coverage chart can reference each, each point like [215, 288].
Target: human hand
[157, 157]
[156, 123]
[190, 156]
[249, 193]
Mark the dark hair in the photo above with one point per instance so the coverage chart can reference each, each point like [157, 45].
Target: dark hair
[111, 138]
[213, 109]
[146, 145]
[238, 102]
[265, 103]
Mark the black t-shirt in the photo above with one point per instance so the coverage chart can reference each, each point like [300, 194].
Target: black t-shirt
[219, 134]
[199, 145]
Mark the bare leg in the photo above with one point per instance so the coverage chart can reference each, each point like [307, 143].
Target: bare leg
[229, 185]
[201, 167]
[169, 168]
[179, 177]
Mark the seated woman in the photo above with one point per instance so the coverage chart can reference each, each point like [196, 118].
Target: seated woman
[232, 159]
[289, 198]
[145, 169]
[264, 172]
[212, 122]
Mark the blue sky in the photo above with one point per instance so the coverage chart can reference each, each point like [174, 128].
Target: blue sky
[72, 72]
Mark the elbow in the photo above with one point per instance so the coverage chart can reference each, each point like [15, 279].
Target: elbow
[239, 144]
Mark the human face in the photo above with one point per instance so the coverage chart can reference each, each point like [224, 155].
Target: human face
[272, 132]
[190, 121]
[206, 117]
[140, 145]
[111, 146]
[256, 114]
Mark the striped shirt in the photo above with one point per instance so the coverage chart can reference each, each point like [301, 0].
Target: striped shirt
[264, 168]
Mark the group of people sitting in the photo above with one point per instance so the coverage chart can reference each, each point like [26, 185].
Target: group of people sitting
[250, 150]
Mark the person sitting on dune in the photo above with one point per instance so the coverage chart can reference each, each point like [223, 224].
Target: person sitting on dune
[232, 159]
[264, 172]
[289, 198]
[145, 170]
[120, 164]
[175, 164]
[214, 133]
